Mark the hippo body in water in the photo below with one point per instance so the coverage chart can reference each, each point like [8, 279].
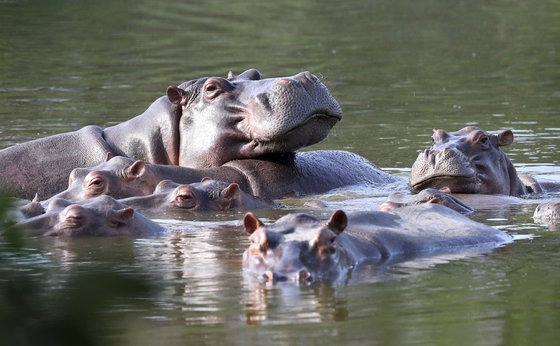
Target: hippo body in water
[299, 247]
[298, 174]
[207, 195]
[100, 216]
[548, 214]
[471, 161]
[202, 123]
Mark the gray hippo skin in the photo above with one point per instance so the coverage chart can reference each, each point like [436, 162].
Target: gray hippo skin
[206, 195]
[296, 174]
[298, 247]
[100, 216]
[202, 123]
[471, 161]
[547, 213]
[429, 195]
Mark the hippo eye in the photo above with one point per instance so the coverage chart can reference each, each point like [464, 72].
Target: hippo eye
[96, 185]
[484, 141]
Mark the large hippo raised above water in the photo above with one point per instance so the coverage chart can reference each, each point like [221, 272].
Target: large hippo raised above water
[202, 123]
[298, 247]
[471, 161]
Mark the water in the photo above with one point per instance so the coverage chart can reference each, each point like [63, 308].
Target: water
[398, 69]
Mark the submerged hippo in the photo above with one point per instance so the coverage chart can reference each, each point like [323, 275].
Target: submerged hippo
[547, 213]
[202, 123]
[299, 247]
[203, 196]
[433, 196]
[101, 216]
[471, 161]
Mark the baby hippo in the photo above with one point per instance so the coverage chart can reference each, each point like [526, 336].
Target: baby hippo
[547, 213]
[429, 195]
[203, 196]
[100, 216]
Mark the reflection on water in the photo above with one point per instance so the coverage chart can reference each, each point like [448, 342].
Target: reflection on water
[398, 69]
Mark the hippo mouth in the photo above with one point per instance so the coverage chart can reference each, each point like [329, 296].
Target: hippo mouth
[455, 183]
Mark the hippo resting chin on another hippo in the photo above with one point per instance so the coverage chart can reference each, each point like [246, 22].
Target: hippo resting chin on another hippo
[299, 247]
[101, 216]
[471, 161]
[426, 196]
[205, 123]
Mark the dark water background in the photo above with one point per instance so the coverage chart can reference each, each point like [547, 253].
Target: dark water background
[398, 68]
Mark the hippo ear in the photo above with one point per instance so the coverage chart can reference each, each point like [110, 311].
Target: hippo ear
[251, 223]
[389, 206]
[338, 221]
[136, 170]
[122, 216]
[108, 156]
[230, 75]
[228, 196]
[505, 138]
[36, 198]
[175, 95]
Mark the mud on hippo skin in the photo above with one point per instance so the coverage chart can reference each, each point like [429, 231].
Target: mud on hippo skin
[100, 216]
[206, 195]
[202, 123]
[299, 247]
[470, 161]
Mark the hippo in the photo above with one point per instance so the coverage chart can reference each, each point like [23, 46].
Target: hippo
[298, 174]
[471, 161]
[100, 216]
[547, 213]
[203, 196]
[202, 123]
[301, 248]
[429, 195]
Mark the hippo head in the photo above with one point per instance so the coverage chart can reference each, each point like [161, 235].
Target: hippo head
[118, 177]
[547, 213]
[467, 161]
[297, 247]
[427, 196]
[101, 216]
[246, 116]
[207, 195]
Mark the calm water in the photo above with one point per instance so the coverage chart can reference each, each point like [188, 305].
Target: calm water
[399, 69]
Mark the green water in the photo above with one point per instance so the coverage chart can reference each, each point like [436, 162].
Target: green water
[398, 68]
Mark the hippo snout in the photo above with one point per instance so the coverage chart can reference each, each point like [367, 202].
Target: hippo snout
[298, 276]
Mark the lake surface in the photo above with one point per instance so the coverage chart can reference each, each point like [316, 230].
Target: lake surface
[399, 69]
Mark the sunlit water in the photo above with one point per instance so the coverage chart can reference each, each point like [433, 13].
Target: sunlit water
[398, 69]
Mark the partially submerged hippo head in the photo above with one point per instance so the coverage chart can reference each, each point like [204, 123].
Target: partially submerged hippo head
[246, 116]
[297, 247]
[101, 216]
[467, 161]
[118, 177]
[432, 196]
[203, 196]
[547, 213]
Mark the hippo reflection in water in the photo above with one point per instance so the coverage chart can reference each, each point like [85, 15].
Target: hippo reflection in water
[471, 161]
[100, 216]
[299, 247]
[246, 126]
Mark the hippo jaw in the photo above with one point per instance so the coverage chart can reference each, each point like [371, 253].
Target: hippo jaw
[247, 117]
